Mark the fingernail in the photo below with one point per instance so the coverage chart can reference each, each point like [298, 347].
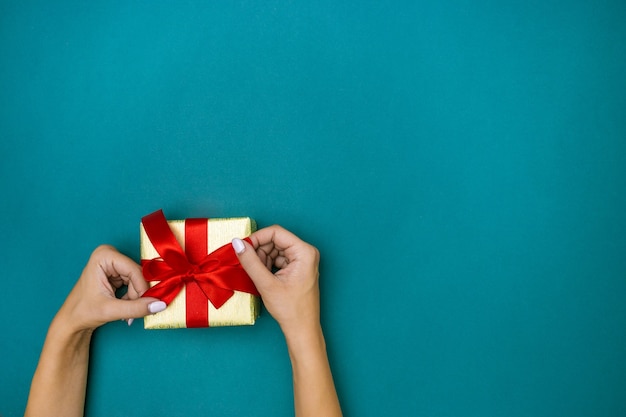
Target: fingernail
[130, 321]
[156, 306]
[238, 245]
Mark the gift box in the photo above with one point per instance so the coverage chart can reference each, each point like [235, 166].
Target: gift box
[191, 265]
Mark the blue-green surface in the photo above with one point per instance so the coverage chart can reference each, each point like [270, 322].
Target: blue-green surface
[461, 165]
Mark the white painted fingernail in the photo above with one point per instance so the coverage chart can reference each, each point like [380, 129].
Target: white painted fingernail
[238, 245]
[156, 306]
[130, 321]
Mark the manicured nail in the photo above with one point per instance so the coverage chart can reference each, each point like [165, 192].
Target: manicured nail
[238, 245]
[156, 306]
[130, 321]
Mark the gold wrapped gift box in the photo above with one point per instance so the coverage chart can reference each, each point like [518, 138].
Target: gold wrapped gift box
[241, 309]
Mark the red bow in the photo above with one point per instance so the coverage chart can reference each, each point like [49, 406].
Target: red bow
[213, 277]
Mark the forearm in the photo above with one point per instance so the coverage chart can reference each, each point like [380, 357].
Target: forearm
[314, 389]
[59, 384]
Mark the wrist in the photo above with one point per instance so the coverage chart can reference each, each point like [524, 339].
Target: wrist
[66, 335]
[304, 339]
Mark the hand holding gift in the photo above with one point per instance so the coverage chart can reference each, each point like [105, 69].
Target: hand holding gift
[92, 301]
[59, 383]
[291, 295]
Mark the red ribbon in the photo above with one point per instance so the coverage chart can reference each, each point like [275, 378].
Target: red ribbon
[213, 277]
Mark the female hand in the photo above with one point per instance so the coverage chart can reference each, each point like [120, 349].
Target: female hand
[291, 294]
[292, 297]
[60, 381]
[92, 301]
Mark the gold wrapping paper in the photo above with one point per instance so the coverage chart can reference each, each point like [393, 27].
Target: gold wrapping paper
[241, 309]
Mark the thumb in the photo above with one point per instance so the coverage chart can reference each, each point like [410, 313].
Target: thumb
[127, 309]
[251, 263]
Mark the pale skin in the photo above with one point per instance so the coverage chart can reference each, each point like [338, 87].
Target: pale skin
[291, 296]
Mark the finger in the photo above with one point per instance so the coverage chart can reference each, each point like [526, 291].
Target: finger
[126, 309]
[118, 266]
[275, 235]
[267, 261]
[281, 262]
[266, 248]
[274, 253]
[116, 282]
[133, 292]
[252, 264]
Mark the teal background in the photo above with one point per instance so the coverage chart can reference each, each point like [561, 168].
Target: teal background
[461, 165]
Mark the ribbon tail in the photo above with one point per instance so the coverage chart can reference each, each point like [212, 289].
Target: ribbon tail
[217, 295]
